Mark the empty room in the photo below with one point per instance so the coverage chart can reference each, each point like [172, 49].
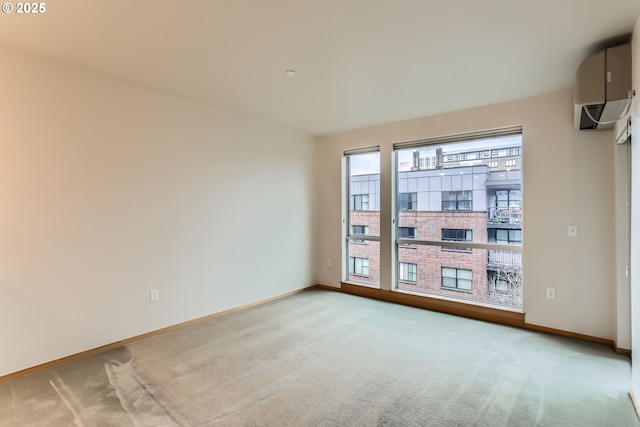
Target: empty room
[319, 213]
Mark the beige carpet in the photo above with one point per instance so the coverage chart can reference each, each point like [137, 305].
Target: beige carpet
[321, 358]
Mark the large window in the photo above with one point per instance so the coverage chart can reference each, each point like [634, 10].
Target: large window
[464, 194]
[362, 217]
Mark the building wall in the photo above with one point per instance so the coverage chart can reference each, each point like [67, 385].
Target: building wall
[568, 179]
[109, 191]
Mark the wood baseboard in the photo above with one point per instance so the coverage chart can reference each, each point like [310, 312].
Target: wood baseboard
[563, 333]
[126, 341]
[624, 351]
[488, 314]
[494, 315]
[636, 405]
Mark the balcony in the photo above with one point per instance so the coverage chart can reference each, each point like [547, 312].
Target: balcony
[512, 215]
[505, 259]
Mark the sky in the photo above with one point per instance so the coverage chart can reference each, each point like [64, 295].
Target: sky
[368, 163]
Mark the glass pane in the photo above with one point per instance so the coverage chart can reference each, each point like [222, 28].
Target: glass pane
[364, 218]
[465, 274]
[465, 192]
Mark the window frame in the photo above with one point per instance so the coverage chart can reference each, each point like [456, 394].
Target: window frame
[409, 270]
[462, 196]
[361, 207]
[353, 262]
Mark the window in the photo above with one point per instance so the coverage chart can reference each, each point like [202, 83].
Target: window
[508, 198]
[361, 210]
[360, 229]
[359, 266]
[456, 200]
[408, 272]
[457, 278]
[407, 232]
[408, 201]
[510, 163]
[455, 251]
[512, 237]
[457, 234]
[360, 202]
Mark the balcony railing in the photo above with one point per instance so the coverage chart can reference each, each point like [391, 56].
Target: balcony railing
[511, 215]
[505, 258]
[506, 299]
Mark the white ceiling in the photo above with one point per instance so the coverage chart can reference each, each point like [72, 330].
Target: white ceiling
[358, 62]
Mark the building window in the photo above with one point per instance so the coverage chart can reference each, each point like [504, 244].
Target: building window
[407, 232]
[359, 202]
[508, 198]
[359, 266]
[511, 237]
[408, 201]
[493, 164]
[360, 229]
[457, 278]
[456, 200]
[408, 272]
[457, 235]
[510, 163]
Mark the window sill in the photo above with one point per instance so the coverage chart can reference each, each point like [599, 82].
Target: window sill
[480, 311]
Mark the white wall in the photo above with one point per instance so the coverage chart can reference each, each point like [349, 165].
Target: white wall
[635, 215]
[108, 191]
[568, 178]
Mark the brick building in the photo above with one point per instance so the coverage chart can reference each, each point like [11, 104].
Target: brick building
[472, 196]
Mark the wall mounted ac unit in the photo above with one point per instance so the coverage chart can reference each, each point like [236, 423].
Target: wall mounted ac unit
[603, 88]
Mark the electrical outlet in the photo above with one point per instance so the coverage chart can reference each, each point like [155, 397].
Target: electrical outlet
[155, 295]
[551, 293]
[329, 262]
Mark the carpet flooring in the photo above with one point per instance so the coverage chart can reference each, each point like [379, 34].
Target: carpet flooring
[322, 358]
